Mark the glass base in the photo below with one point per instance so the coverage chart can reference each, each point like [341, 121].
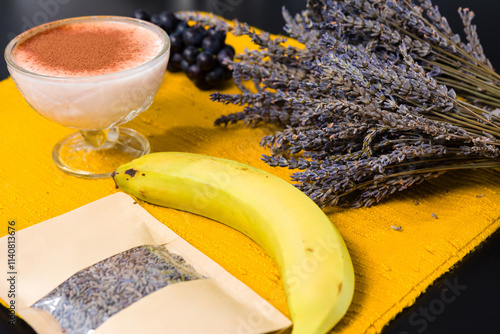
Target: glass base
[75, 156]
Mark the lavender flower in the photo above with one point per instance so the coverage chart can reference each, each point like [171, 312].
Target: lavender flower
[381, 96]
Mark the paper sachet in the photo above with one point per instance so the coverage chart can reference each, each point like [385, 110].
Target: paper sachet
[207, 299]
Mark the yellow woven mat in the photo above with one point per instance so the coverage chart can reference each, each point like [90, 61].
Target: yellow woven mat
[392, 267]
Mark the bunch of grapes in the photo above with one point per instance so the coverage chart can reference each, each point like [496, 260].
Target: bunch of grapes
[201, 53]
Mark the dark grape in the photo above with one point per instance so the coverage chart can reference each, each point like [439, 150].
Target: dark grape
[200, 53]
[176, 42]
[190, 53]
[202, 84]
[194, 72]
[168, 21]
[155, 19]
[193, 35]
[206, 60]
[225, 54]
[219, 34]
[176, 60]
[212, 44]
[172, 68]
[141, 14]
[230, 50]
[181, 27]
[215, 76]
[228, 73]
[184, 65]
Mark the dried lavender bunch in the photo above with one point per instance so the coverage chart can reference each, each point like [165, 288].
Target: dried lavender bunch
[368, 105]
[206, 19]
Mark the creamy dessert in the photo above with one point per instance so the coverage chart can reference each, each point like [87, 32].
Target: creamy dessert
[87, 49]
[92, 72]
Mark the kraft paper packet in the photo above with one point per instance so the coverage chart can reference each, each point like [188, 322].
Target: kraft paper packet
[50, 252]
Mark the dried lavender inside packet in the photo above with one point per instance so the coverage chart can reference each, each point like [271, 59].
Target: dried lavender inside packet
[94, 294]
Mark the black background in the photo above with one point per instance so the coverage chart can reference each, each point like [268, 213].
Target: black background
[476, 309]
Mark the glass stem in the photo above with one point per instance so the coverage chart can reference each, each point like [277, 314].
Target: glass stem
[97, 138]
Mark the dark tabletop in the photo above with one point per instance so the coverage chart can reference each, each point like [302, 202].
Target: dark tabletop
[475, 280]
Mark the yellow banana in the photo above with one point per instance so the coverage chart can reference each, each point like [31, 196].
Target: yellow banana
[309, 252]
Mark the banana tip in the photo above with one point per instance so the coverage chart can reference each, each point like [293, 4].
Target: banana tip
[113, 177]
[130, 172]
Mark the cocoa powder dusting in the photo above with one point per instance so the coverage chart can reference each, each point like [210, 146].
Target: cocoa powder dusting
[81, 48]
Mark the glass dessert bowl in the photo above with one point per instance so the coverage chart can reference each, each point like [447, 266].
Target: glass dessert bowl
[91, 74]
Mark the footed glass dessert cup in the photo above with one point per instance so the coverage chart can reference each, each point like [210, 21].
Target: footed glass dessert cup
[94, 104]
